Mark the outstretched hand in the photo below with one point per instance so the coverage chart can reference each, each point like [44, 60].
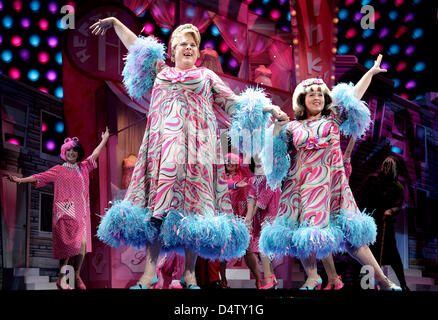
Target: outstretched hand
[105, 135]
[278, 125]
[279, 114]
[100, 27]
[13, 178]
[376, 67]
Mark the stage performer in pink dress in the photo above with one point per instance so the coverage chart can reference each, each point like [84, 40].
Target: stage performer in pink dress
[71, 228]
[177, 198]
[262, 207]
[238, 175]
[317, 214]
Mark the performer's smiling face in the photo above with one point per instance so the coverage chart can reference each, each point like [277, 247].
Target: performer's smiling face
[71, 155]
[314, 102]
[186, 52]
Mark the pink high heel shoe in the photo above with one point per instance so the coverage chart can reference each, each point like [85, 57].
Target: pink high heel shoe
[62, 286]
[79, 284]
[272, 284]
[335, 284]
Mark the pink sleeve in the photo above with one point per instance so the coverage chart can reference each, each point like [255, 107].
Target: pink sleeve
[251, 192]
[223, 95]
[264, 198]
[46, 177]
[89, 164]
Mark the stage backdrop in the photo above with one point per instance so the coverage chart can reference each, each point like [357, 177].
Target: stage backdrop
[314, 28]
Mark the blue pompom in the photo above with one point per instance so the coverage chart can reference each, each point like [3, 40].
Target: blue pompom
[249, 121]
[358, 228]
[356, 113]
[126, 225]
[139, 71]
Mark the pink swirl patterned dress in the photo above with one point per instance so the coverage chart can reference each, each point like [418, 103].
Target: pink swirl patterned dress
[317, 212]
[178, 165]
[317, 186]
[179, 177]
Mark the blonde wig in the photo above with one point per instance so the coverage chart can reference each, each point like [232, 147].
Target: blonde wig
[181, 31]
[306, 86]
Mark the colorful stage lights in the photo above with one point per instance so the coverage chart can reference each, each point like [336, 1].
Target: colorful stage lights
[43, 57]
[14, 73]
[33, 75]
[52, 41]
[24, 54]
[417, 33]
[7, 22]
[51, 75]
[50, 145]
[34, 40]
[59, 93]
[7, 56]
[419, 66]
[59, 126]
[35, 5]
[16, 41]
[25, 22]
[215, 31]
[43, 24]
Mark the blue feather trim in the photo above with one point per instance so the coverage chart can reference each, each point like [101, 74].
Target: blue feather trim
[309, 240]
[139, 71]
[359, 228]
[276, 164]
[249, 121]
[276, 237]
[354, 111]
[217, 237]
[126, 225]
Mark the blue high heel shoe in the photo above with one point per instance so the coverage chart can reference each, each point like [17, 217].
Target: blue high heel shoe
[140, 286]
[188, 286]
[392, 286]
[317, 286]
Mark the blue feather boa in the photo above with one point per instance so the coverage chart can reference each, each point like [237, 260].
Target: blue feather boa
[276, 163]
[356, 113]
[126, 225]
[139, 71]
[247, 131]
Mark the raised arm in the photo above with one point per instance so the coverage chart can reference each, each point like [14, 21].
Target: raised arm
[365, 81]
[96, 153]
[125, 35]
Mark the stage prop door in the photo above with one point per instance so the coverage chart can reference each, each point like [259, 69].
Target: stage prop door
[14, 222]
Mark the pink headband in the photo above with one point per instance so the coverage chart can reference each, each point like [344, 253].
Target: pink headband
[68, 144]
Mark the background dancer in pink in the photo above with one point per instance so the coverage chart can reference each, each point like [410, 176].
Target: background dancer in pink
[262, 206]
[318, 215]
[71, 227]
[177, 198]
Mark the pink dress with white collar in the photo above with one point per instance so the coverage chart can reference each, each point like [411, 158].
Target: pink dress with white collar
[71, 206]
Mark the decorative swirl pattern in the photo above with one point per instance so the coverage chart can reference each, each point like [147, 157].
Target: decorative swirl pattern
[177, 175]
[316, 195]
